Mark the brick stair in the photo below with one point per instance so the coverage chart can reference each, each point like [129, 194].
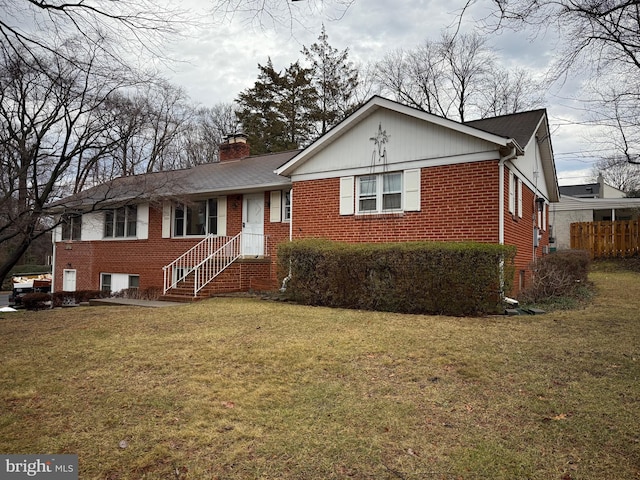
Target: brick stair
[183, 292]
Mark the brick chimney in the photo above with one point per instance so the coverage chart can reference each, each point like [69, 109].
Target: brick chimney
[233, 147]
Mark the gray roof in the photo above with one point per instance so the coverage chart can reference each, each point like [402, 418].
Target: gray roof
[519, 126]
[588, 190]
[254, 173]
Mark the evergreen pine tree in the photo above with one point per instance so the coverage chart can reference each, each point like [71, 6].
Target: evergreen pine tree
[275, 112]
[334, 78]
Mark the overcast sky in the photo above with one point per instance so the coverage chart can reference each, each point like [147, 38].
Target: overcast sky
[218, 59]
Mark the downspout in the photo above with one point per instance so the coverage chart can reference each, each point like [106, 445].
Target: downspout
[509, 156]
[501, 203]
[53, 262]
[286, 279]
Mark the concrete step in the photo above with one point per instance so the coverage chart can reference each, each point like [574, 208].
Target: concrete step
[179, 298]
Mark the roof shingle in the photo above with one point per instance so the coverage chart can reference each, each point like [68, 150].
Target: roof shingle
[519, 126]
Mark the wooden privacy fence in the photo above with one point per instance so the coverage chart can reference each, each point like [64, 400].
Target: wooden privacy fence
[606, 239]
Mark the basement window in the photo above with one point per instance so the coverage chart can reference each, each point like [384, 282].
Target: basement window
[115, 282]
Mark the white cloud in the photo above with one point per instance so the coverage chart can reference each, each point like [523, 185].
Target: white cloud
[218, 61]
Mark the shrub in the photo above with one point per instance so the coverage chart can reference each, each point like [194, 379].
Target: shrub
[74, 298]
[36, 301]
[413, 277]
[559, 274]
[150, 293]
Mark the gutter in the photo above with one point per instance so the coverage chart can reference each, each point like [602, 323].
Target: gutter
[511, 155]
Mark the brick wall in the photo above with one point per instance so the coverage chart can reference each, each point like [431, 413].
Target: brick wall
[458, 202]
[519, 231]
[147, 257]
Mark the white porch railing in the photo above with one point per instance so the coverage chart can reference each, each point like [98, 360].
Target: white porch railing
[208, 259]
[213, 265]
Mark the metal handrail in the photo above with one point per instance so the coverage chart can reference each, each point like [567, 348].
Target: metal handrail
[183, 265]
[208, 259]
[215, 263]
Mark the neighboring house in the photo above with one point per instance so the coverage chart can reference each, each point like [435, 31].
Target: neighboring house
[386, 173]
[593, 202]
[591, 190]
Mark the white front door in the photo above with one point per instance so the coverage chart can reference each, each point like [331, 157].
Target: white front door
[69, 280]
[253, 225]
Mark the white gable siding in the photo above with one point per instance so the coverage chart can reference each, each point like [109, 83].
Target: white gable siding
[409, 140]
[529, 168]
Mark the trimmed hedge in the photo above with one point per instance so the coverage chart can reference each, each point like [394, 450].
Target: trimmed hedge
[446, 278]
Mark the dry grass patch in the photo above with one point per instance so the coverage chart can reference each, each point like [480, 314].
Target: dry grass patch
[243, 388]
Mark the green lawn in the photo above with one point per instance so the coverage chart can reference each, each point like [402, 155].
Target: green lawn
[245, 388]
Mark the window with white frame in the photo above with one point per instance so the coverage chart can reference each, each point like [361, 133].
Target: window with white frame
[121, 222]
[114, 282]
[286, 206]
[105, 282]
[379, 193]
[515, 195]
[196, 218]
[71, 227]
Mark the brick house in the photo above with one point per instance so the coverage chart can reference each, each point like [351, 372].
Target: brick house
[393, 173]
[153, 230]
[386, 173]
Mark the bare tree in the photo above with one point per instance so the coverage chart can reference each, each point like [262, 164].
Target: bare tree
[469, 61]
[33, 27]
[50, 119]
[597, 34]
[368, 85]
[143, 125]
[456, 77]
[509, 91]
[206, 130]
[270, 13]
[616, 109]
[619, 173]
[414, 77]
[599, 40]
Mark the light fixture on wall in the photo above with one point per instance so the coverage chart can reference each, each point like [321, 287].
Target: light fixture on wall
[540, 203]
